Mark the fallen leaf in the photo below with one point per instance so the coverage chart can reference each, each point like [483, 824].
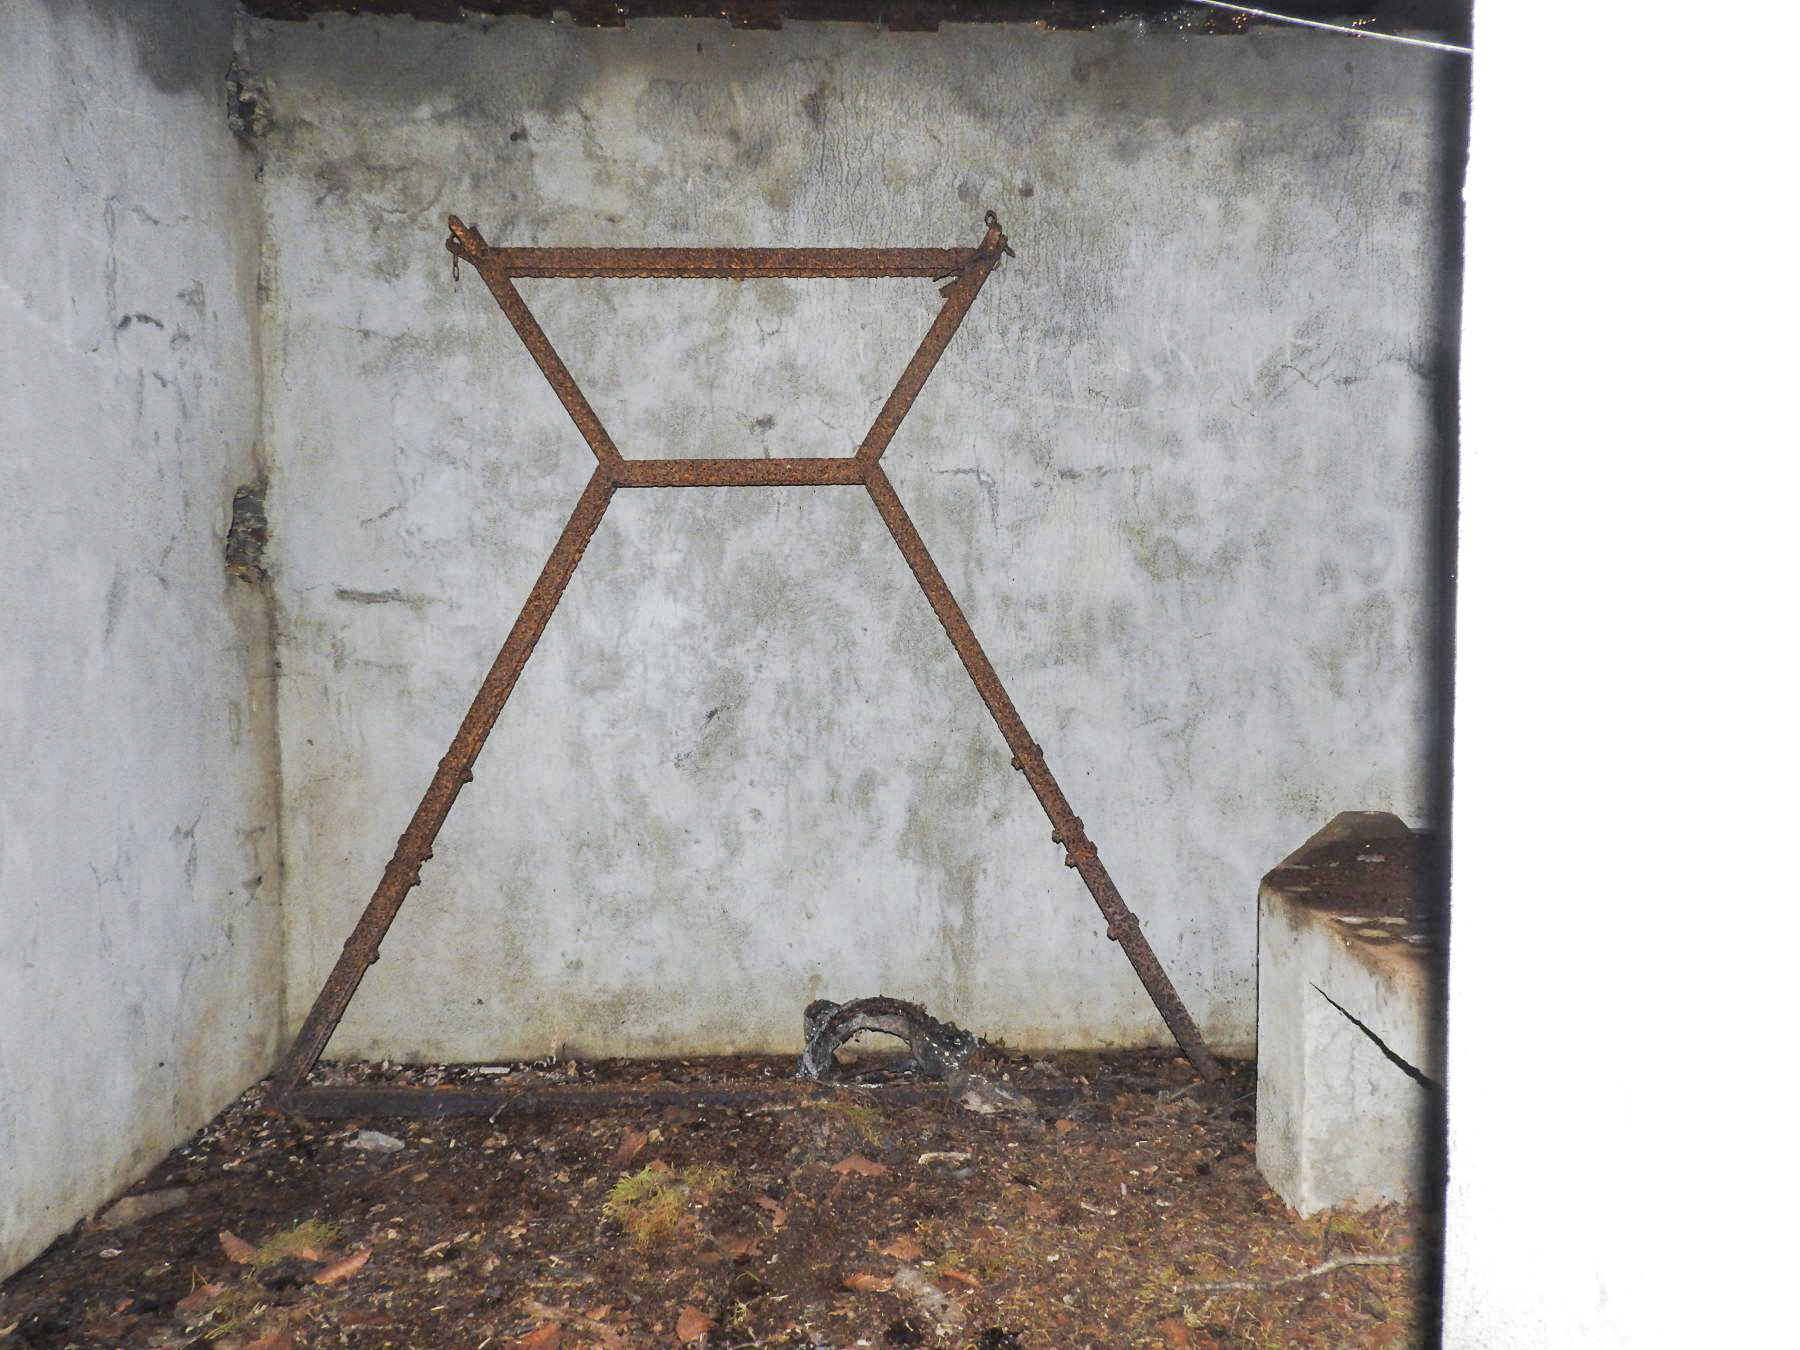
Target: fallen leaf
[960, 1276]
[1173, 1330]
[869, 1284]
[275, 1340]
[777, 1215]
[630, 1146]
[692, 1325]
[904, 1248]
[1064, 1126]
[747, 1245]
[203, 1294]
[340, 1271]
[546, 1337]
[860, 1166]
[236, 1249]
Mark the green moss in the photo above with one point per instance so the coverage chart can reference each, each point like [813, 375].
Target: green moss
[649, 1204]
[314, 1234]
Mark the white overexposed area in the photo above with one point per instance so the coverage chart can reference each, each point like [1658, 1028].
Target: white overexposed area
[1621, 1025]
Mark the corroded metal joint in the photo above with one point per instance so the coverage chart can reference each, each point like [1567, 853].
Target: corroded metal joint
[1125, 926]
[465, 241]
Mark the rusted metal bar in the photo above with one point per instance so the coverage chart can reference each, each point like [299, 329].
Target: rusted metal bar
[728, 263]
[343, 1103]
[958, 296]
[362, 948]
[466, 242]
[740, 472]
[1066, 828]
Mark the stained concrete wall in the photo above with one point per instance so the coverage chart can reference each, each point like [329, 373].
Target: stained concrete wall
[1621, 1126]
[1179, 467]
[139, 928]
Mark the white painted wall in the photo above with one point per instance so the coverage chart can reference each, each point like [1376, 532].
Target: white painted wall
[1620, 1042]
[140, 978]
[1178, 466]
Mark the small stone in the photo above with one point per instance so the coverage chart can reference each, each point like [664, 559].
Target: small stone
[376, 1142]
[136, 1208]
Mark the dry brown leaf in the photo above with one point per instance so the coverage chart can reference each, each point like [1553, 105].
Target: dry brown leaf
[962, 1277]
[203, 1294]
[1173, 1330]
[860, 1166]
[692, 1325]
[236, 1249]
[339, 1271]
[904, 1248]
[1064, 1126]
[777, 1215]
[869, 1284]
[275, 1340]
[630, 1146]
[546, 1337]
[747, 1245]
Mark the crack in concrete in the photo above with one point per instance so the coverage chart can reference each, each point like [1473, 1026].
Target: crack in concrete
[1409, 1070]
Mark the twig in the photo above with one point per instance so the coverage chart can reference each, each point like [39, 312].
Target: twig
[1324, 1268]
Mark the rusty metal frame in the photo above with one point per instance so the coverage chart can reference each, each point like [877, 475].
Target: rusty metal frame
[964, 270]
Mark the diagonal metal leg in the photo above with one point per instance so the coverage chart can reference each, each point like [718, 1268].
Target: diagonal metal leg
[1079, 851]
[456, 768]
[958, 296]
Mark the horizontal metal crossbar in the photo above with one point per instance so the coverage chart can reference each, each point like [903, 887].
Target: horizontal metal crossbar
[740, 472]
[735, 263]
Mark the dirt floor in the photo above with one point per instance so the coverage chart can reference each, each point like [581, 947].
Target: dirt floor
[1124, 1210]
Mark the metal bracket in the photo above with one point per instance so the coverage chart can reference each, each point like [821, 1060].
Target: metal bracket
[966, 270]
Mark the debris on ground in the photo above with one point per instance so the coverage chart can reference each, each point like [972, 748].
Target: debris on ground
[1125, 1211]
[940, 1050]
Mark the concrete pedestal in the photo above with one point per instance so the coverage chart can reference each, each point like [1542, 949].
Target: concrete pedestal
[1349, 1043]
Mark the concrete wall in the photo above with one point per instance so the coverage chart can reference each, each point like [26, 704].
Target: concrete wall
[1178, 467]
[140, 976]
[1623, 929]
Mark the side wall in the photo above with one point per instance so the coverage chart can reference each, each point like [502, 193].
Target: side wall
[1179, 468]
[140, 971]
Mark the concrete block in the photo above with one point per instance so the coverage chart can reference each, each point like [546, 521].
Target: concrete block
[1348, 1103]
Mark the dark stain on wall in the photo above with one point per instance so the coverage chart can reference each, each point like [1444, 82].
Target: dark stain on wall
[248, 536]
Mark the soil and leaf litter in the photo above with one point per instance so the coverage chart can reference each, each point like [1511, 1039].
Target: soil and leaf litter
[1128, 1213]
